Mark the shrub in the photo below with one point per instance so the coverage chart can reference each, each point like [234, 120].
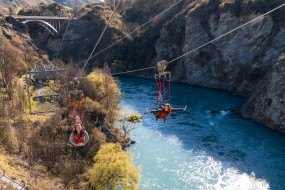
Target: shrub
[113, 169]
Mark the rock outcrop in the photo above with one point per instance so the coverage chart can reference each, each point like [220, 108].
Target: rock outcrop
[244, 62]
[266, 103]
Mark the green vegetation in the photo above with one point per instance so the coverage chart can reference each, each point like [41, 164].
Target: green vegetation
[113, 169]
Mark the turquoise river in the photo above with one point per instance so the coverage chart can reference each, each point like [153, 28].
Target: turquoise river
[199, 150]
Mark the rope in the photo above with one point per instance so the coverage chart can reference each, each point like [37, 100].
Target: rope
[168, 91]
[90, 56]
[66, 29]
[125, 72]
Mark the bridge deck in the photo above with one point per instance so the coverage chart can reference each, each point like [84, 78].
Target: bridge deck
[39, 17]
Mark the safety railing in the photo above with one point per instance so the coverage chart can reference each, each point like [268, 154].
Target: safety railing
[15, 184]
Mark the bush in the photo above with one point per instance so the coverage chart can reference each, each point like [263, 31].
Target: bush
[113, 169]
[104, 91]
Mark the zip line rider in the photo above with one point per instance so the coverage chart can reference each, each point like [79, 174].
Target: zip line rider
[78, 137]
[163, 111]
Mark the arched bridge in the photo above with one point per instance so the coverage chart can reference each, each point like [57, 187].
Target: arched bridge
[51, 23]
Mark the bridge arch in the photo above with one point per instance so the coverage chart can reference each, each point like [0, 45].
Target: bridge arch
[43, 23]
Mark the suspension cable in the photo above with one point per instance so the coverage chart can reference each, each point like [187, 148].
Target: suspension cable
[132, 31]
[199, 47]
[98, 41]
[148, 68]
[216, 39]
[123, 39]
[221, 36]
[66, 29]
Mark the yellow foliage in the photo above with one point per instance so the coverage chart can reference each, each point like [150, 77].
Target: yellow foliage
[134, 118]
[113, 169]
[92, 106]
[18, 9]
[103, 90]
[103, 83]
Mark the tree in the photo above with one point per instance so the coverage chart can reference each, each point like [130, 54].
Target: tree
[8, 67]
[101, 87]
[113, 169]
[128, 121]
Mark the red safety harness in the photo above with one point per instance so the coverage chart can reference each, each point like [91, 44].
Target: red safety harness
[78, 139]
[161, 87]
[79, 109]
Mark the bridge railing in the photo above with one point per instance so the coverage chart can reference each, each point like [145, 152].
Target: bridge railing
[10, 181]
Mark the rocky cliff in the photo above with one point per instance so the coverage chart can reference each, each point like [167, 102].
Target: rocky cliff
[244, 62]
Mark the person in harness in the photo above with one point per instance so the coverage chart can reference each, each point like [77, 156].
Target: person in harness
[78, 137]
[165, 111]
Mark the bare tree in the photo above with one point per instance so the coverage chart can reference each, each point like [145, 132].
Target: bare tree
[8, 67]
[129, 121]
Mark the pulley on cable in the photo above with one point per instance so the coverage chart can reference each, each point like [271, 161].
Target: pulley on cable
[76, 104]
[162, 79]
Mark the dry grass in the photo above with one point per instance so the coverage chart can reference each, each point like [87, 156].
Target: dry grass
[33, 176]
[17, 41]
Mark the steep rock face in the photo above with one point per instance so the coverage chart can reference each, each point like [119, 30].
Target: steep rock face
[266, 103]
[242, 62]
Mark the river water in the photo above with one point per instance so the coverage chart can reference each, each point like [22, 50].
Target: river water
[198, 150]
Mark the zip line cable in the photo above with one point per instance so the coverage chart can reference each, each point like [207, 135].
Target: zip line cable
[223, 35]
[98, 41]
[199, 47]
[216, 39]
[132, 31]
[148, 68]
[126, 36]
[66, 29]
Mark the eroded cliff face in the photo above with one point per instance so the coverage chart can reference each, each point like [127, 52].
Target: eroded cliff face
[84, 32]
[266, 103]
[244, 62]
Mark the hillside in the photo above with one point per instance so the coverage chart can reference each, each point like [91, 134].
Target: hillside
[70, 3]
[36, 149]
[17, 5]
